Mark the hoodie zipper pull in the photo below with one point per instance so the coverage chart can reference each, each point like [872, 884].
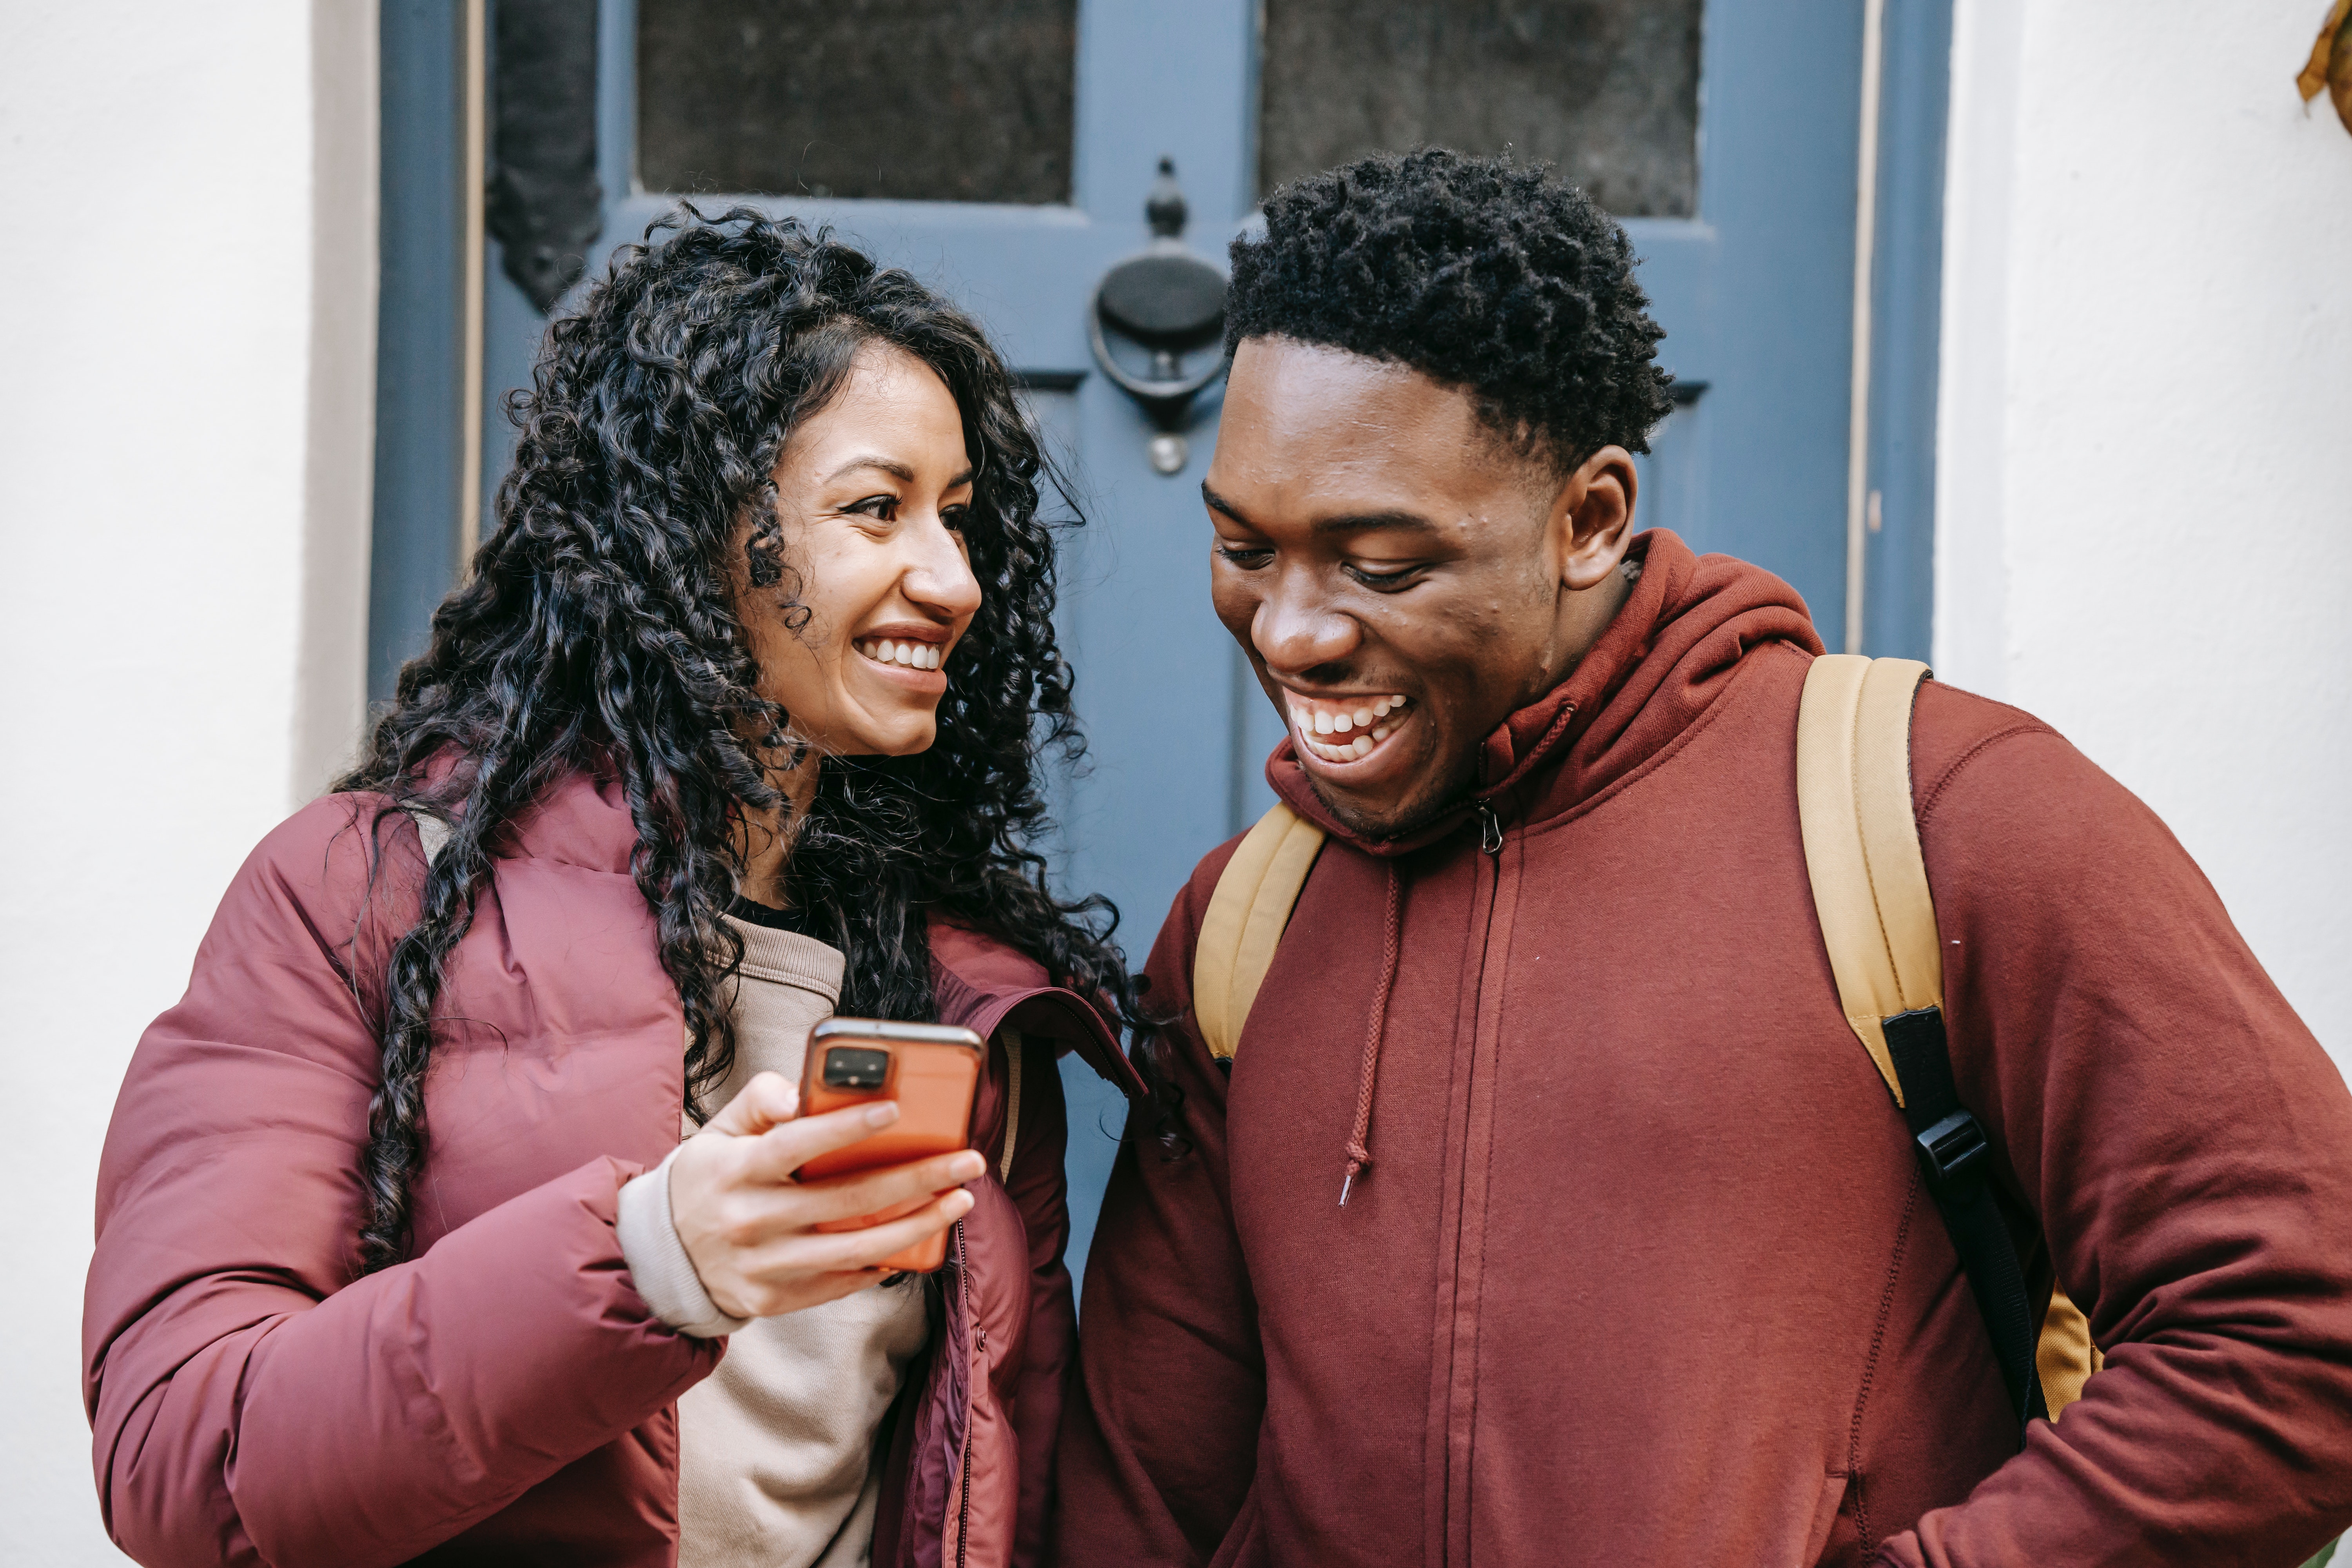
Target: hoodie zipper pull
[1490, 829]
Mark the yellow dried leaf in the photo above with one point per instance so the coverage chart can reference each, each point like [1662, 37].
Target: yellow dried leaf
[2330, 64]
[2339, 67]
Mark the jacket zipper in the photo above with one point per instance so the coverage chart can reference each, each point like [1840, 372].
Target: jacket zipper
[971, 1397]
[1490, 829]
[1490, 845]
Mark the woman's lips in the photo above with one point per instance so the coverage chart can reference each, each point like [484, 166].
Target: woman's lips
[905, 652]
[904, 662]
[1339, 731]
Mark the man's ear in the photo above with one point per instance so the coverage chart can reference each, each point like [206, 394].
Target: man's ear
[1592, 518]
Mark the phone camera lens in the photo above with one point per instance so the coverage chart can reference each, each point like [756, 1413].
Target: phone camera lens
[852, 1067]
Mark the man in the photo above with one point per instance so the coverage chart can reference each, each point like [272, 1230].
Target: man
[1551, 1212]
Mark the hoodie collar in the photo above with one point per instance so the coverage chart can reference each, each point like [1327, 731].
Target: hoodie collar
[1662, 661]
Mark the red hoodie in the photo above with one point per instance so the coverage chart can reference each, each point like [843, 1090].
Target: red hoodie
[1640, 1269]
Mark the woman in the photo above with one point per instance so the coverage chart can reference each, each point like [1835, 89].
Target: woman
[735, 724]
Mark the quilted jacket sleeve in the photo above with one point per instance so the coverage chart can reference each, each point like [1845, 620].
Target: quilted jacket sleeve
[250, 1402]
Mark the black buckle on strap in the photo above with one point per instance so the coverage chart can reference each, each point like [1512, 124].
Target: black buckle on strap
[1954, 1151]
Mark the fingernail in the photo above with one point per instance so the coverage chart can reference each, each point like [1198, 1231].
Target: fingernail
[966, 1166]
[882, 1115]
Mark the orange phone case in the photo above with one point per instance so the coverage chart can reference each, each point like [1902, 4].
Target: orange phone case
[932, 1071]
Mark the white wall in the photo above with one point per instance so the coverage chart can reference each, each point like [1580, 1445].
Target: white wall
[2145, 497]
[186, 322]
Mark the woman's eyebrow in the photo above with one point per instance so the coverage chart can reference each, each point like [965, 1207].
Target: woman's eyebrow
[896, 469]
[890, 466]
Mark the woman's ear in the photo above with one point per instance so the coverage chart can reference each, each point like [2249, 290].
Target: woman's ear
[1592, 518]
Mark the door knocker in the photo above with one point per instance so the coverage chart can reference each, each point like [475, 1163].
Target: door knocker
[1170, 303]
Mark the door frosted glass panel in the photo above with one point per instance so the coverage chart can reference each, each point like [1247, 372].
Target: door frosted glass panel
[1606, 89]
[874, 99]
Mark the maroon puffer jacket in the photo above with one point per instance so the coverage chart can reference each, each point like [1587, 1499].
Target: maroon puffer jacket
[506, 1396]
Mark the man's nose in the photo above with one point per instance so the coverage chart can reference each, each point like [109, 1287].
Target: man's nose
[1295, 631]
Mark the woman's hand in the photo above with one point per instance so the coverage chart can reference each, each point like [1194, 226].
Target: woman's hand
[748, 1229]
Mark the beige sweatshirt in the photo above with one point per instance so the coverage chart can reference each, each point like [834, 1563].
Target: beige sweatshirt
[777, 1467]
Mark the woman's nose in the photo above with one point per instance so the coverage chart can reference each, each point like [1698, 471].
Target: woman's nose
[940, 577]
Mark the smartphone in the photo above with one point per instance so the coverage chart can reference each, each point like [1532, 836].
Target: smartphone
[932, 1071]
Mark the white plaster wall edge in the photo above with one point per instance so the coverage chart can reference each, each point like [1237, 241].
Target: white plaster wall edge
[1969, 645]
[330, 677]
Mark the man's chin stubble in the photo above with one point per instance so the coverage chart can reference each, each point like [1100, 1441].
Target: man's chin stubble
[1409, 819]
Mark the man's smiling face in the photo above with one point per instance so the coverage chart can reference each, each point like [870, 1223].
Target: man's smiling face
[1401, 578]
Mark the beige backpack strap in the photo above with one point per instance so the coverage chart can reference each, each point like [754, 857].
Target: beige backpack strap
[2064, 1355]
[1862, 843]
[1878, 919]
[1244, 922]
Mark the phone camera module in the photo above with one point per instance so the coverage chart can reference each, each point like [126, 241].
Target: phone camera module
[852, 1067]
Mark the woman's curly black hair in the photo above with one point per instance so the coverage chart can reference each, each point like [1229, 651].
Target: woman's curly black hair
[598, 633]
[1484, 275]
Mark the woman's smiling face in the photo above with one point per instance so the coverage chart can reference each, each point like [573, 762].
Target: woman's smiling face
[872, 493]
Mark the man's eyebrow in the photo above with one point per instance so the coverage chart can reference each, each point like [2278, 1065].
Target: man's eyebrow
[1365, 521]
[1350, 522]
[1216, 502]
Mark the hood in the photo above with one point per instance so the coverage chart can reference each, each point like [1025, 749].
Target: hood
[1664, 660]
[982, 982]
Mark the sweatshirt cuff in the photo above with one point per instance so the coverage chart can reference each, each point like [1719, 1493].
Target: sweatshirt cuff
[657, 1262]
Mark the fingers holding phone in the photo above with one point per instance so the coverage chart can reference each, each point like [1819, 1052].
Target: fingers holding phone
[793, 1197]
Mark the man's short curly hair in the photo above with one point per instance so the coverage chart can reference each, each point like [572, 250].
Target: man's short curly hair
[1484, 275]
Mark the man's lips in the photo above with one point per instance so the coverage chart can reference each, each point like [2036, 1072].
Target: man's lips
[1347, 729]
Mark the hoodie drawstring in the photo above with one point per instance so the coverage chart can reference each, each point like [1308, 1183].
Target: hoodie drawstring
[1359, 1154]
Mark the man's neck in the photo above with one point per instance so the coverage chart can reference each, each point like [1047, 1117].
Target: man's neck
[1584, 614]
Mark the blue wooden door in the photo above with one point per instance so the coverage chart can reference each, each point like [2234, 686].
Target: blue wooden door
[1752, 268]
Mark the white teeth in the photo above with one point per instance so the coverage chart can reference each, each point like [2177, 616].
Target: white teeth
[1361, 725]
[912, 655]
